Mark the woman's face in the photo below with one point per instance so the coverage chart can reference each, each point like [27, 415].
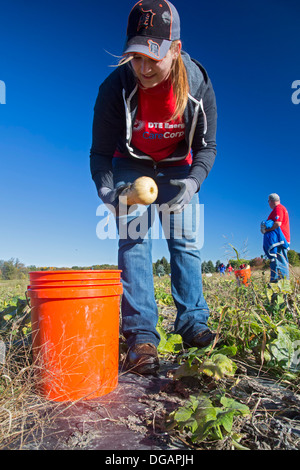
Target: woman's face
[152, 72]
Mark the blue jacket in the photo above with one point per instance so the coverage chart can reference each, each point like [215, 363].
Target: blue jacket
[114, 115]
[273, 239]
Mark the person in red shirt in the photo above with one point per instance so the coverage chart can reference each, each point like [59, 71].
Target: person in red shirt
[280, 217]
[229, 269]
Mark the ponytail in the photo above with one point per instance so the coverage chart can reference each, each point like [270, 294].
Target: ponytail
[180, 85]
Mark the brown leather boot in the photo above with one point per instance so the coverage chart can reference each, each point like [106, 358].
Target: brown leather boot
[201, 340]
[142, 359]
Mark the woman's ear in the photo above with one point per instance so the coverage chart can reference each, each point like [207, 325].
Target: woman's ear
[176, 49]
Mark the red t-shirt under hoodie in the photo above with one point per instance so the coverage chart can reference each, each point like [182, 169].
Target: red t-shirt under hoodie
[153, 133]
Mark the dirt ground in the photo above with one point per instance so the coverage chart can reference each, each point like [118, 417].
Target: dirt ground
[132, 417]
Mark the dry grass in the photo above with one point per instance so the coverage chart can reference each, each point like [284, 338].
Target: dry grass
[23, 414]
[295, 272]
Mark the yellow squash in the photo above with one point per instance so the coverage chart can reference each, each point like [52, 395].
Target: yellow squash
[142, 191]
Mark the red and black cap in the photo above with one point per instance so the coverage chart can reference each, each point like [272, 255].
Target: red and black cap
[152, 26]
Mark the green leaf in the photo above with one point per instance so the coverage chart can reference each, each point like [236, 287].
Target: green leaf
[187, 370]
[284, 286]
[169, 343]
[204, 420]
[200, 409]
[218, 366]
[228, 350]
[267, 320]
[225, 419]
[281, 348]
[205, 416]
[231, 404]
[7, 317]
[183, 414]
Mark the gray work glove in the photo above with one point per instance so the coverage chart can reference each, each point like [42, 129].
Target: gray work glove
[188, 187]
[111, 196]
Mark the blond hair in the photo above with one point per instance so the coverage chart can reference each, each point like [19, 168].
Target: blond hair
[179, 82]
[180, 85]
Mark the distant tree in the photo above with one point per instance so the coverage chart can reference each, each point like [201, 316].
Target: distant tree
[159, 264]
[257, 262]
[218, 262]
[166, 265]
[293, 258]
[1, 268]
[155, 266]
[9, 270]
[210, 267]
[160, 271]
[236, 263]
[204, 267]
[32, 267]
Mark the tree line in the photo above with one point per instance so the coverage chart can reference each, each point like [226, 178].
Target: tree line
[162, 266]
[14, 269]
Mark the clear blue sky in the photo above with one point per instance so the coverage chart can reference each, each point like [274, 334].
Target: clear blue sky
[53, 59]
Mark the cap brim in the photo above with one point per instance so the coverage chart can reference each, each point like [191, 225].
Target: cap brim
[151, 47]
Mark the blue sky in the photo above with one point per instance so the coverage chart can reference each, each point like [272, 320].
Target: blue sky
[54, 56]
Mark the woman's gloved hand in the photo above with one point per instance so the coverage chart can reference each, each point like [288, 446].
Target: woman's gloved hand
[188, 187]
[111, 196]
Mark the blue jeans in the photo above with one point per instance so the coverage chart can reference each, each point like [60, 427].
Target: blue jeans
[139, 309]
[279, 266]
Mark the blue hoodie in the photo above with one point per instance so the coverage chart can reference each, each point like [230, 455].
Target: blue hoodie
[273, 239]
[114, 115]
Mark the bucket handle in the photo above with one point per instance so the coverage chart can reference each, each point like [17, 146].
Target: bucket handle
[27, 299]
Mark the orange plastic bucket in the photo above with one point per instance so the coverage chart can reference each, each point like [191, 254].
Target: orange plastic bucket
[73, 278]
[89, 282]
[243, 275]
[78, 274]
[75, 340]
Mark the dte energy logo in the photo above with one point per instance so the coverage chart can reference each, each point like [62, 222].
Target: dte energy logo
[296, 94]
[2, 92]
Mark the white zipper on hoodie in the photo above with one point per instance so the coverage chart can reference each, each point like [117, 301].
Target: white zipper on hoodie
[129, 124]
[205, 122]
